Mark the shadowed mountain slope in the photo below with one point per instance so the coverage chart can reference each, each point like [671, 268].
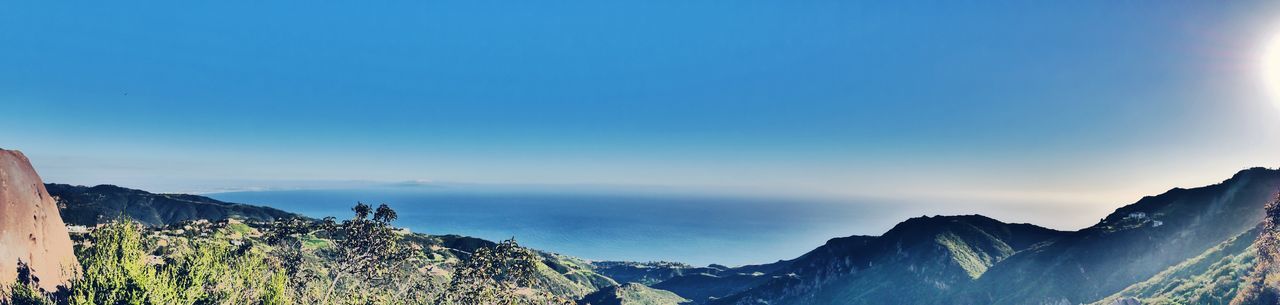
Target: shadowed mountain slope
[977, 260]
[913, 263]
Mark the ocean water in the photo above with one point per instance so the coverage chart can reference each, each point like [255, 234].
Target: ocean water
[696, 229]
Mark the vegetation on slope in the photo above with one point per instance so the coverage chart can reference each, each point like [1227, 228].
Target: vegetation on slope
[360, 261]
[1262, 286]
[1211, 278]
[632, 294]
[1131, 245]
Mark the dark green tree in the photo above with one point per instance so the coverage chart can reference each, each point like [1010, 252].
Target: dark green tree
[289, 250]
[366, 248]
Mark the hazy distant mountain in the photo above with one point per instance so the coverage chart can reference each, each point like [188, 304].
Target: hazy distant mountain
[83, 205]
[692, 282]
[650, 273]
[721, 282]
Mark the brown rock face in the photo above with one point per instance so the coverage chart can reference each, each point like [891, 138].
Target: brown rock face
[31, 230]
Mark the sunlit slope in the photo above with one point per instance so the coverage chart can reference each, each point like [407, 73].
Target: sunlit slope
[1213, 277]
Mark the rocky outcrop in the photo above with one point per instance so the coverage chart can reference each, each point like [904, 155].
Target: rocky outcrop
[31, 231]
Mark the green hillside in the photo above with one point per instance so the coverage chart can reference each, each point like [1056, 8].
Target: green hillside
[632, 294]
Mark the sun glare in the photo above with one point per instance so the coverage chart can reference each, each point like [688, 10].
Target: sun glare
[1270, 68]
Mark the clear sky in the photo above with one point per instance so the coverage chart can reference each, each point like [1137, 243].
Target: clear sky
[1031, 108]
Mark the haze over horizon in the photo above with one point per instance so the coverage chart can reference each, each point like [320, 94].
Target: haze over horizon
[947, 107]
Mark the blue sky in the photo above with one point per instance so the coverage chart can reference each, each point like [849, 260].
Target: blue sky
[1026, 107]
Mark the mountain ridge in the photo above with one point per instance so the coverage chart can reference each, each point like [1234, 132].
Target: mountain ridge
[84, 205]
[931, 255]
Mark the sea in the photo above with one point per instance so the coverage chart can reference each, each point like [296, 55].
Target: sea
[698, 229]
